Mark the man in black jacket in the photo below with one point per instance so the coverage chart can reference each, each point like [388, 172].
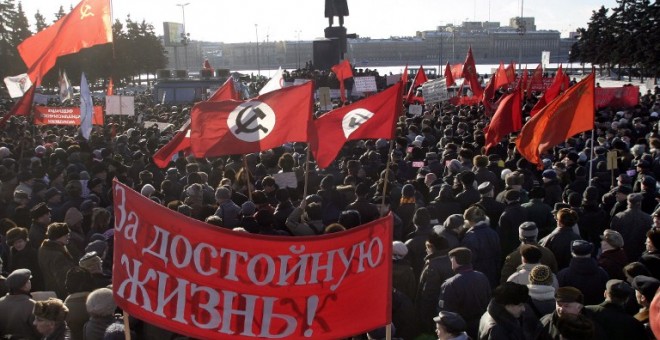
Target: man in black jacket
[612, 317]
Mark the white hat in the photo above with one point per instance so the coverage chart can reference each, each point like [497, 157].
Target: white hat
[399, 250]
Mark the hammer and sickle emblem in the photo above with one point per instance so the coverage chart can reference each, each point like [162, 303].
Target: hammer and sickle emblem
[244, 125]
[86, 11]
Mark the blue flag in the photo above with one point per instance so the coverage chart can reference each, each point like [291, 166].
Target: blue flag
[86, 108]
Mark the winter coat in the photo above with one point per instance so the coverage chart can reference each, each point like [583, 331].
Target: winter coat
[441, 209]
[27, 258]
[468, 197]
[228, 211]
[514, 260]
[542, 299]
[468, 294]
[95, 327]
[584, 274]
[652, 262]
[514, 215]
[633, 225]
[368, 211]
[55, 261]
[403, 278]
[613, 261]
[451, 236]
[16, 311]
[493, 209]
[541, 214]
[77, 315]
[437, 269]
[559, 242]
[486, 252]
[300, 228]
[498, 324]
[592, 223]
[616, 322]
[417, 248]
[553, 192]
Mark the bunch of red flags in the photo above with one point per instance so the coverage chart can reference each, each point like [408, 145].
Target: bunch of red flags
[568, 114]
[507, 118]
[420, 78]
[559, 84]
[470, 74]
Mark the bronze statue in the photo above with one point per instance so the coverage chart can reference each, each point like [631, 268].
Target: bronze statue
[336, 8]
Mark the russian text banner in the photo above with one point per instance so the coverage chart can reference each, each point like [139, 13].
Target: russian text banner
[55, 115]
[209, 283]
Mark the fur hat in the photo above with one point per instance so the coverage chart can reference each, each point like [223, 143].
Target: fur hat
[90, 261]
[73, 216]
[510, 293]
[101, 302]
[39, 210]
[57, 230]
[15, 234]
[399, 250]
[52, 309]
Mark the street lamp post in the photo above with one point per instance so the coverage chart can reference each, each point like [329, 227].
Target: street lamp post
[521, 31]
[256, 31]
[298, 48]
[184, 37]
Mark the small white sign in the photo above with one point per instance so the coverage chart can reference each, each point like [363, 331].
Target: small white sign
[365, 84]
[415, 110]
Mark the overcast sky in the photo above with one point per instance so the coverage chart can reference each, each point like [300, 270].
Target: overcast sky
[234, 21]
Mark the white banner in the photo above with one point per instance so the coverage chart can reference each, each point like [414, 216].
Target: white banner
[435, 91]
[120, 105]
[545, 59]
[365, 84]
[415, 110]
[18, 85]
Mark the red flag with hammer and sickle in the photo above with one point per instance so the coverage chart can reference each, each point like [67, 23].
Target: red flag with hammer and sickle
[240, 127]
[87, 25]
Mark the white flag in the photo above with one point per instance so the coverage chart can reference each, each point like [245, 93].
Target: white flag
[86, 108]
[275, 83]
[18, 85]
[66, 92]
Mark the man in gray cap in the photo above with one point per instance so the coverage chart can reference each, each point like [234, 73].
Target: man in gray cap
[633, 224]
[527, 234]
[611, 315]
[613, 257]
[449, 325]
[16, 307]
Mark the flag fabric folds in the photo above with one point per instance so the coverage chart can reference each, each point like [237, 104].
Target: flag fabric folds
[18, 85]
[470, 74]
[264, 122]
[369, 118]
[180, 142]
[22, 108]
[87, 25]
[275, 83]
[507, 118]
[226, 92]
[343, 71]
[501, 77]
[86, 108]
[420, 78]
[111, 87]
[560, 83]
[570, 113]
[404, 76]
[536, 79]
[449, 77]
[66, 91]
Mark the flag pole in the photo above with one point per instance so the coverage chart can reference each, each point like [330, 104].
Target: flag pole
[246, 171]
[127, 327]
[388, 331]
[593, 131]
[306, 173]
[387, 176]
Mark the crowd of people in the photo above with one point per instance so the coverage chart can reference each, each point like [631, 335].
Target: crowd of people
[487, 245]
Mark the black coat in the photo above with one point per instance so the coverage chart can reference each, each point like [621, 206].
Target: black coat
[467, 293]
[584, 274]
[486, 250]
[493, 209]
[613, 262]
[514, 215]
[633, 225]
[616, 322]
[652, 262]
[559, 242]
[437, 269]
[498, 324]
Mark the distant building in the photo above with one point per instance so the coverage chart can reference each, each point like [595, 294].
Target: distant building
[491, 43]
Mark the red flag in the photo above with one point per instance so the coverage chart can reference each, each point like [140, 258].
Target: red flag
[511, 72]
[537, 79]
[420, 78]
[457, 71]
[23, 106]
[370, 118]
[489, 93]
[449, 78]
[404, 76]
[264, 122]
[226, 92]
[342, 71]
[111, 87]
[558, 85]
[180, 142]
[507, 118]
[569, 114]
[501, 77]
[87, 25]
[470, 74]
[525, 79]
